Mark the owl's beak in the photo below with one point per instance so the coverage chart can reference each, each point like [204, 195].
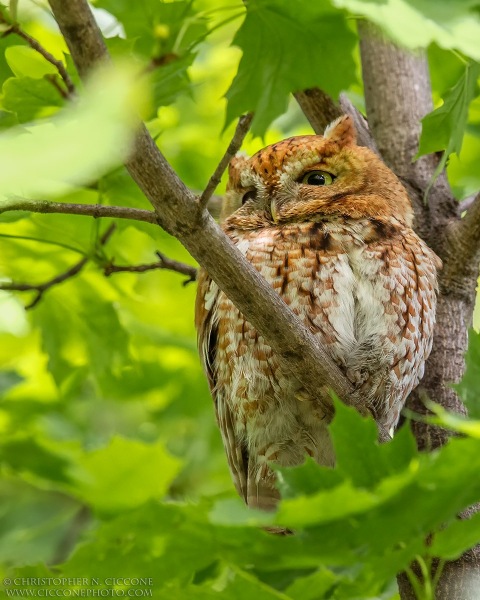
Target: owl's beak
[273, 210]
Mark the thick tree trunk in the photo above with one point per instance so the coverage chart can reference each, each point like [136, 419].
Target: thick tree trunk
[398, 95]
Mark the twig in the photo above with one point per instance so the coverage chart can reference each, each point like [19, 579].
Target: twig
[41, 288]
[241, 131]
[163, 263]
[53, 79]
[96, 211]
[33, 43]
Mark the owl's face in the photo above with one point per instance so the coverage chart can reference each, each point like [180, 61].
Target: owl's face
[314, 178]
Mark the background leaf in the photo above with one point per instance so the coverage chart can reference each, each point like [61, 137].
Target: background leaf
[443, 128]
[469, 386]
[101, 127]
[268, 72]
[417, 24]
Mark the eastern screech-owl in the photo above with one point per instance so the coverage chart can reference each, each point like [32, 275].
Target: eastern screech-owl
[330, 227]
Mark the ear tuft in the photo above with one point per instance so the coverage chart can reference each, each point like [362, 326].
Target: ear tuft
[342, 131]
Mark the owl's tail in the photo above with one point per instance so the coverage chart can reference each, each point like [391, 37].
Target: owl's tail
[261, 490]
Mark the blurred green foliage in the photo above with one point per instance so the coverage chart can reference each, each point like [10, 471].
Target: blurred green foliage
[111, 463]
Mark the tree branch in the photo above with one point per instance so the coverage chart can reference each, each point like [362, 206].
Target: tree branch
[460, 270]
[318, 107]
[241, 131]
[163, 263]
[88, 210]
[179, 213]
[41, 288]
[58, 64]
[321, 110]
[364, 137]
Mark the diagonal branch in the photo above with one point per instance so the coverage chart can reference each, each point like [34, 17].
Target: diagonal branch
[364, 136]
[179, 213]
[318, 107]
[241, 131]
[321, 110]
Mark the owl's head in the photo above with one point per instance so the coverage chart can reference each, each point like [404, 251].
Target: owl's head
[314, 178]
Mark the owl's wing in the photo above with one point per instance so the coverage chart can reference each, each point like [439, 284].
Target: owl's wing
[207, 335]
[415, 304]
[411, 278]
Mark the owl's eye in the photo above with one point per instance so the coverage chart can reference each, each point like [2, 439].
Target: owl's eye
[318, 178]
[250, 195]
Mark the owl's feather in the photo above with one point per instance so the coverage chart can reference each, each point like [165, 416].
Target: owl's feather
[344, 257]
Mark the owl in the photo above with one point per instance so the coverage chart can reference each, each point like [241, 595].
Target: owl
[329, 226]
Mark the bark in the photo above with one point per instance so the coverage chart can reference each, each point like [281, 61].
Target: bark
[320, 111]
[318, 107]
[398, 95]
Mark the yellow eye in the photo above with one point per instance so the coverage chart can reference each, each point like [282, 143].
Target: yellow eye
[318, 178]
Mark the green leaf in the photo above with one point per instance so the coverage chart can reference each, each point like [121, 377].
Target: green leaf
[416, 24]
[469, 387]
[443, 129]
[33, 523]
[446, 67]
[341, 502]
[307, 479]
[359, 455]
[29, 98]
[235, 512]
[80, 145]
[453, 421]
[125, 474]
[158, 28]
[356, 447]
[7, 119]
[279, 40]
[31, 456]
[27, 62]
[237, 584]
[51, 320]
[314, 586]
[169, 80]
[458, 536]
[179, 542]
